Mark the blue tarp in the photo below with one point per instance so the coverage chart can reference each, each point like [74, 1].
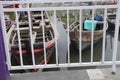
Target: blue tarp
[88, 24]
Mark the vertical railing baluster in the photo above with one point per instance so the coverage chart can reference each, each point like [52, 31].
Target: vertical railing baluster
[115, 44]
[92, 35]
[80, 35]
[31, 37]
[56, 44]
[104, 35]
[43, 31]
[68, 17]
[19, 39]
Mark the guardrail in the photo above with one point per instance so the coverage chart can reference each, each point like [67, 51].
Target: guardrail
[48, 13]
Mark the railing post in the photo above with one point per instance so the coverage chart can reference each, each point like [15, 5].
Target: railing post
[116, 39]
[4, 73]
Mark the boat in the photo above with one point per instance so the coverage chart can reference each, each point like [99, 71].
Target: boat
[106, 3]
[86, 35]
[111, 17]
[8, 22]
[113, 2]
[37, 39]
[11, 6]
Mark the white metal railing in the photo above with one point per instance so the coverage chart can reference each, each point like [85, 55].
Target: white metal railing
[54, 10]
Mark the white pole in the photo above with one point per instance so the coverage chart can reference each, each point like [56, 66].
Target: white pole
[19, 39]
[55, 24]
[92, 35]
[68, 17]
[116, 39]
[80, 33]
[104, 35]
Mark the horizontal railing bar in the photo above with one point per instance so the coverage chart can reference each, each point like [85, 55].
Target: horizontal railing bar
[60, 8]
[63, 65]
[46, 1]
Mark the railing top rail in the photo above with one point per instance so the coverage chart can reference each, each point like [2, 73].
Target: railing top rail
[50, 1]
[61, 8]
